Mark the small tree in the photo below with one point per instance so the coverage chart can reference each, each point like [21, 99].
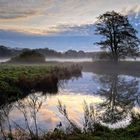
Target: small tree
[119, 37]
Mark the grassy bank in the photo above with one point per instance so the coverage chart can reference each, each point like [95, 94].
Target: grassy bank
[20, 80]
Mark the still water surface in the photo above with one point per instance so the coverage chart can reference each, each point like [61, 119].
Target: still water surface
[113, 97]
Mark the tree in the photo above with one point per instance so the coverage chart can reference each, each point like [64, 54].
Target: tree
[119, 37]
[29, 56]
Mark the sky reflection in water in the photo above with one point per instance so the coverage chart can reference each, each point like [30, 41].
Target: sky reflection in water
[96, 90]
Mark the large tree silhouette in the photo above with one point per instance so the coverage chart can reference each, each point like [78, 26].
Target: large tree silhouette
[119, 37]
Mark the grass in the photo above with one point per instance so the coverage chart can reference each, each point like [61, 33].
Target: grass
[20, 80]
[95, 131]
[15, 71]
[131, 132]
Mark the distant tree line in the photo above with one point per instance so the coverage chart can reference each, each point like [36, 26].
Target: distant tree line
[8, 52]
[12, 52]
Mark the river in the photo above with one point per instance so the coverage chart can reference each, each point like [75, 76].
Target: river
[112, 97]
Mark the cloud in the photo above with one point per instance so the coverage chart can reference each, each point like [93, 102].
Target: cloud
[32, 31]
[76, 30]
[6, 16]
[61, 30]
[15, 9]
[131, 10]
[58, 16]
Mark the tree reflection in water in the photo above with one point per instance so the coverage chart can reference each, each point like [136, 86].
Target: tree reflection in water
[120, 96]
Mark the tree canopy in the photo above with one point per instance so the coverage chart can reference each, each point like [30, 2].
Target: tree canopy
[29, 56]
[119, 37]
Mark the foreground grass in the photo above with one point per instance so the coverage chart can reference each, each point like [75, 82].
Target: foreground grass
[93, 130]
[131, 132]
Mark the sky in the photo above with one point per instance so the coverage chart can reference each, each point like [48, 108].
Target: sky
[57, 24]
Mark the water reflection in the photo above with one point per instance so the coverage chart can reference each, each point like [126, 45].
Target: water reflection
[38, 113]
[121, 94]
[113, 102]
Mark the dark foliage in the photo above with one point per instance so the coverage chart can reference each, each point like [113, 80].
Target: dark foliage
[29, 56]
[119, 35]
[13, 52]
[8, 52]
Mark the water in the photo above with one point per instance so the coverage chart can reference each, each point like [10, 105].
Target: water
[111, 96]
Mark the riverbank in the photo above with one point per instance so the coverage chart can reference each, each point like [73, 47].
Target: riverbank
[20, 80]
